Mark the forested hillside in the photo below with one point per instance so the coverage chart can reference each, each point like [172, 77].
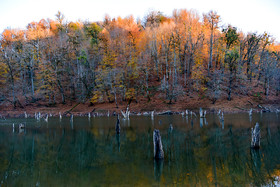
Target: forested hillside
[120, 60]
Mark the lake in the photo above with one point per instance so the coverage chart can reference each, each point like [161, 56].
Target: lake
[197, 152]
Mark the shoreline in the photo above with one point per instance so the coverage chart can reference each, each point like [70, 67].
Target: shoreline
[140, 108]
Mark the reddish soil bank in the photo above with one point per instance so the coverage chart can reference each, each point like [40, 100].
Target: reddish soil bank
[237, 104]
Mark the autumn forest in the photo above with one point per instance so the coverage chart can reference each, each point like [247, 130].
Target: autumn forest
[124, 60]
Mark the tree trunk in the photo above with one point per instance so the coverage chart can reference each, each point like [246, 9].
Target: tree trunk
[158, 149]
[256, 136]
[13, 84]
[189, 65]
[229, 87]
[147, 84]
[185, 70]
[211, 51]
[155, 55]
[266, 84]
[32, 82]
[115, 95]
[61, 92]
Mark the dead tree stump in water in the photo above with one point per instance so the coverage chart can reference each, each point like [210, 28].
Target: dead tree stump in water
[118, 127]
[256, 137]
[158, 149]
[21, 126]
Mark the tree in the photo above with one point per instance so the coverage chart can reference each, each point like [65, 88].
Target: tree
[231, 59]
[252, 46]
[9, 48]
[153, 19]
[231, 55]
[122, 60]
[231, 36]
[211, 20]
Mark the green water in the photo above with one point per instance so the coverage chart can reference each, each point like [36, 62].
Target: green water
[89, 153]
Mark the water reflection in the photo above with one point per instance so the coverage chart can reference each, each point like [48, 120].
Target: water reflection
[91, 153]
[201, 122]
[158, 167]
[20, 131]
[118, 142]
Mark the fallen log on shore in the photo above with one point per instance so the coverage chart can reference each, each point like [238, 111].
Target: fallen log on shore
[166, 113]
[264, 109]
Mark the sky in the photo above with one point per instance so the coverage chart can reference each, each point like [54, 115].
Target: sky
[247, 15]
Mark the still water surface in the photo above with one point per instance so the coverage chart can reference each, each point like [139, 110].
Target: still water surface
[198, 152]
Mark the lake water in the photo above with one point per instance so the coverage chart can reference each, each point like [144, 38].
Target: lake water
[89, 153]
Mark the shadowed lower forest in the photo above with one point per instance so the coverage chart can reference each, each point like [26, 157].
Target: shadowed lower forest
[124, 60]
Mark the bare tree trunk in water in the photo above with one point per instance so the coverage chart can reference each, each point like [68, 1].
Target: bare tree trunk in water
[158, 149]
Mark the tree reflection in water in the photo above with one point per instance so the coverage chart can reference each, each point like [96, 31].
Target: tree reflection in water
[85, 154]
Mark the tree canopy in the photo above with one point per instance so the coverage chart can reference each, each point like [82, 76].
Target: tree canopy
[122, 60]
